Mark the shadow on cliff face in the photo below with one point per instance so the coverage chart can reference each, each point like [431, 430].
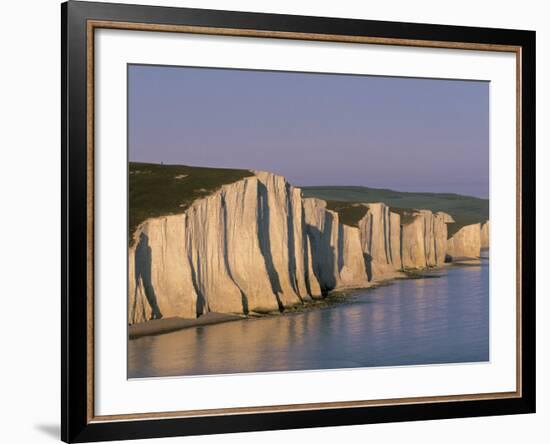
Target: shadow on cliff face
[323, 254]
[291, 247]
[328, 253]
[244, 299]
[201, 306]
[265, 241]
[367, 257]
[368, 265]
[305, 248]
[143, 272]
[340, 247]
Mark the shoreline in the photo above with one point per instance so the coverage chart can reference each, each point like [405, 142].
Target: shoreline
[168, 325]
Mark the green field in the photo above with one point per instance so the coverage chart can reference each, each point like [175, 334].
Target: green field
[349, 213]
[465, 210]
[160, 190]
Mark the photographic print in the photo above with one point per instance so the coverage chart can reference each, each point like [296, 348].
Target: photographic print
[282, 221]
[275, 222]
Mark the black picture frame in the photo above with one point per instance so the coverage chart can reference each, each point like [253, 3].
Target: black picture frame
[76, 327]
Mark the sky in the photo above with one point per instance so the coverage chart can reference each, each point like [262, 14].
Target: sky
[406, 134]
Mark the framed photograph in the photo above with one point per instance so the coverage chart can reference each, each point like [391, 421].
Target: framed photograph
[275, 221]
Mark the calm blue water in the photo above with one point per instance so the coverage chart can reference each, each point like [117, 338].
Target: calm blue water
[414, 321]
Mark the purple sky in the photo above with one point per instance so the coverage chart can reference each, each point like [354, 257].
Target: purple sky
[315, 129]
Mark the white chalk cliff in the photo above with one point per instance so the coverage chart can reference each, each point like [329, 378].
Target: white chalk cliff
[485, 228]
[423, 239]
[465, 243]
[381, 240]
[257, 246]
[335, 248]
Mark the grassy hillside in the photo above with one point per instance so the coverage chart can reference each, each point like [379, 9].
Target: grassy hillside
[465, 210]
[159, 190]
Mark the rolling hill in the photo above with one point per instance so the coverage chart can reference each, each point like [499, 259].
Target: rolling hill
[465, 210]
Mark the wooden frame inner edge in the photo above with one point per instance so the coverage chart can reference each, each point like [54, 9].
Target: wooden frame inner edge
[90, 28]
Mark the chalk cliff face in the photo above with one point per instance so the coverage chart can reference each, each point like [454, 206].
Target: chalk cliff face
[440, 221]
[485, 235]
[242, 249]
[380, 231]
[465, 243]
[160, 278]
[257, 246]
[337, 259]
[424, 239]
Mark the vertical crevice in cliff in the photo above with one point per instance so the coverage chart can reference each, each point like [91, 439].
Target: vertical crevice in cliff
[143, 261]
[200, 303]
[304, 275]
[369, 233]
[401, 245]
[328, 253]
[367, 256]
[340, 245]
[244, 299]
[265, 242]
[200, 295]
[427, 238]
[436, 250]
[201, 306]
[386, 222]
[307, 258]
[319, 229]
[290, 238]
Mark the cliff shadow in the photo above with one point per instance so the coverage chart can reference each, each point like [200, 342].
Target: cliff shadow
[387, 236]
[306, 245]
[142, 263]
[401, 246]
[340, 247]
[265, 242]
[291, 247]
[367, 257]
[323, 255]
[201, 306]
[368, 265]
[244, 299]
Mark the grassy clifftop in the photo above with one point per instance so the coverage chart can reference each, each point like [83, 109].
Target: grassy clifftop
[465, 210]
[349, 213]
[159, 190]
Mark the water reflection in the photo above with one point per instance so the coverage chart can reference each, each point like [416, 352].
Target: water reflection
[418, 321]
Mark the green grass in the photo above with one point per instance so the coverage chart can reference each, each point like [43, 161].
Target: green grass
[465, 210]
[160, 190]
[406, 215]
[348, 214]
